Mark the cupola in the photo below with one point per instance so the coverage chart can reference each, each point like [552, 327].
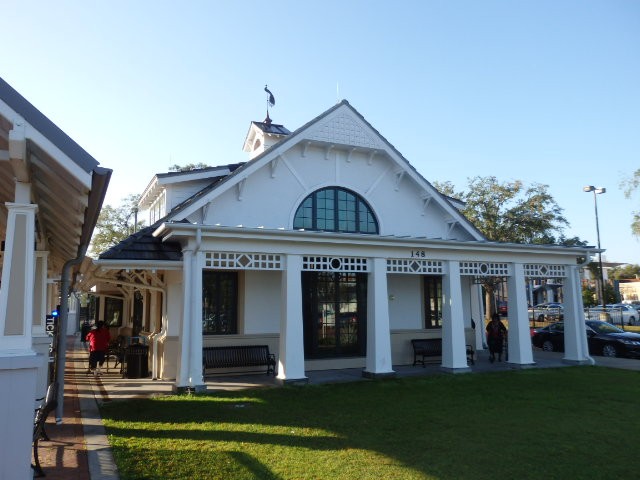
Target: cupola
[263, 135]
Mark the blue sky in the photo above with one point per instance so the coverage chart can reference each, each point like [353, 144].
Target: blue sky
[541, 91]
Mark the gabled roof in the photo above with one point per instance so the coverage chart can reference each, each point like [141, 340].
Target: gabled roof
[299, 135]
[142, 245]
[159, 180]
[272, 128]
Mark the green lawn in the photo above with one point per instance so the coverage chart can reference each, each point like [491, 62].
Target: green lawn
[566, 423]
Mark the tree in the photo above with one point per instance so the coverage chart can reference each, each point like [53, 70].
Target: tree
[589, 296]
[188, 167]
[625, 272]
[629, 186]
[115, 224]
[510, 212]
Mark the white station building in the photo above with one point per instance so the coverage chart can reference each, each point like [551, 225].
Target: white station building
[327, 246]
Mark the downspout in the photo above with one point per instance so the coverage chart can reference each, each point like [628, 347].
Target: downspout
[61, 347]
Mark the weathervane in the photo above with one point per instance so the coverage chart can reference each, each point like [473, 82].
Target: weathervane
[271, 101]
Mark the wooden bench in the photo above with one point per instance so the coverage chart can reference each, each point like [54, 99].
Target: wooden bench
[239, 356]
[424, 348]
[49, 405]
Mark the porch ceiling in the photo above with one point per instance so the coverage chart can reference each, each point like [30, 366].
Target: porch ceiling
[66, 183]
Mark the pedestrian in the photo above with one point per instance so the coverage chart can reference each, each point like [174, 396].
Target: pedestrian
[496, 332]
[98, 339]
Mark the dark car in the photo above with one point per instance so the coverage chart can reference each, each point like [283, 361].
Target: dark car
[502, 308]
[602, 337]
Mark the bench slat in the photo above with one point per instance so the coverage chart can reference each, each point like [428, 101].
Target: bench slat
[432, 347]
[238, 356]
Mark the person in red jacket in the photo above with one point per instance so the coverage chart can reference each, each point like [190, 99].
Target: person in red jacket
[98, 339]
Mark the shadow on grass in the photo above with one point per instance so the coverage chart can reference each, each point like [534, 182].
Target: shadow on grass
[446, 427]
[184, 463]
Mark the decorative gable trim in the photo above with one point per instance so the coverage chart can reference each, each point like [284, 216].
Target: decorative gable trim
[338, 126]
[343, 129]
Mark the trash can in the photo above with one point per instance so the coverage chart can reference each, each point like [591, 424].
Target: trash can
[136, 358]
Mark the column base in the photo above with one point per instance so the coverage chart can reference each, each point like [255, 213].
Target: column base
[455, 370]
[377, 375]
[189, 389]
[522, 366]
[293, 381]
[577, 362]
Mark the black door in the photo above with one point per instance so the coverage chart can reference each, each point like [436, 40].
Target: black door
[335, 314]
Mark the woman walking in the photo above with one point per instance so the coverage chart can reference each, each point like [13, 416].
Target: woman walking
[98, 345]
[496, 332]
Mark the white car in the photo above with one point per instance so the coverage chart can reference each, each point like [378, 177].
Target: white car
[618, 314]
[629, 313]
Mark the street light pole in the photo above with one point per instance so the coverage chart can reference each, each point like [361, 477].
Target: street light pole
[599, 190]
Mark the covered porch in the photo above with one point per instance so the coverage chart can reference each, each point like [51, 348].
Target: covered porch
[386, 301]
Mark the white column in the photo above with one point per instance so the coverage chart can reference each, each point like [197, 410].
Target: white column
[196, 379]
[520, 350]
[40, 294]
[576, 349]
[291, 349]
[153, 327]
[189, 374]
[182, 372]
[477, 314]
[378, 362]
[18, 362]
[16, 295]
[454, 352]
[41, 341]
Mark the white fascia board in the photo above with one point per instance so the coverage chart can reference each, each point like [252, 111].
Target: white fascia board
[465, 250]
[153, 188]
[35, 136]
[149, 194]
[194, 175]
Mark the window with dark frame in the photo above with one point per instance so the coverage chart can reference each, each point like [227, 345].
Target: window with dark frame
[432, 301]
[113, 311]
[219, 302]
[335, 209]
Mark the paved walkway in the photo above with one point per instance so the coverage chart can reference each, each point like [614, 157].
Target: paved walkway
[79, 448]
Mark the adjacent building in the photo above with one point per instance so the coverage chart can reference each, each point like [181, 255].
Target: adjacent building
[51, 192]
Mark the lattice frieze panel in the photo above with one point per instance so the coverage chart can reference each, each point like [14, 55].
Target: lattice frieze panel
[538, 270]
[410, 265]
[484, 269]
[335, 264]
[344, 130]
[243, 261]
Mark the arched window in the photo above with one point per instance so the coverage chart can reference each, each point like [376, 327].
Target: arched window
[335, 210]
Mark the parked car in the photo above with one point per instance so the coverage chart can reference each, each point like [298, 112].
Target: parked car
[502, 308]
[617, 314]
[603, 339]
[629, 314]
[551, 311]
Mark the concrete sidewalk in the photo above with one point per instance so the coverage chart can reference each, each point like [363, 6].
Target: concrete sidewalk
[79, 448]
